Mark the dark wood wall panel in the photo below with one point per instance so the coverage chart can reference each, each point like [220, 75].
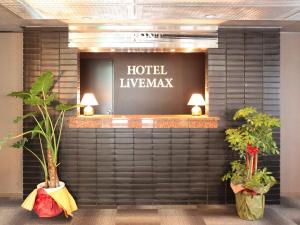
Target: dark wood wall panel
[243, 71]
[47, 49]
[157, 166]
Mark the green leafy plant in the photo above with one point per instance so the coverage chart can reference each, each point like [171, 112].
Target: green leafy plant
[48, 128]
[251, 139]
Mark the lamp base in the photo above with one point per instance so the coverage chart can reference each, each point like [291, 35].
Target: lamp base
[88, 110]
[196, 111]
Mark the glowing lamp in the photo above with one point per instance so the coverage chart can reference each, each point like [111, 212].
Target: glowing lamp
[196, 100]
[88, 101]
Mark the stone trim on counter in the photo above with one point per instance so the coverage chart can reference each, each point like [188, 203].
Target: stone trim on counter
[143, 121]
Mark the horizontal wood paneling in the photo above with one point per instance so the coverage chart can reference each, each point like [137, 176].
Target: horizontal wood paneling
[244, 71]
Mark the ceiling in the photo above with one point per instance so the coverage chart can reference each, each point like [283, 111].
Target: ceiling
[88, 20]
[153, 11]
[9, 21]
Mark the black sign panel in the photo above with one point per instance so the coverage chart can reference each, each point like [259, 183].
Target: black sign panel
[154, 83]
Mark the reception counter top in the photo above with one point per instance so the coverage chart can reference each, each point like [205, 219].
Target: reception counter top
[143, 121]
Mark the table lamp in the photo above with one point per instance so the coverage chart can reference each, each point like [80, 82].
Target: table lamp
[88, 100]
[196, 100]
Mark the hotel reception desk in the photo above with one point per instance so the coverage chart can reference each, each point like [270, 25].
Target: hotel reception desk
[143, 121]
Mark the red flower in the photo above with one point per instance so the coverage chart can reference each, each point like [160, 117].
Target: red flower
[252, 150]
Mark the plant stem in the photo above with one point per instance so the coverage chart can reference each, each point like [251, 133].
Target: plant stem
[29, 132]
[42, 150]
[38, 123]
[256, 162]
[60, 117]
[40, 161]
[52, 140]
[52, 170]
[56, 123]
[22, 134]
[250, 167]
[41, 111]
[60, 130]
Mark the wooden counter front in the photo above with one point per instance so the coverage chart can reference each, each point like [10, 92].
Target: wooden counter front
[143, 121]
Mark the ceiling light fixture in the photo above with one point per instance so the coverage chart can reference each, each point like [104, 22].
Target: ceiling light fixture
[85, 18]
[210, 16]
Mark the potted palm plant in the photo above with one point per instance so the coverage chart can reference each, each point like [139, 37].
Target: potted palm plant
[251, 139]
[51, 196]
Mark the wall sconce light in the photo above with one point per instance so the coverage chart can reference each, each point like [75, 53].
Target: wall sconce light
[88, 100]
[196, 100]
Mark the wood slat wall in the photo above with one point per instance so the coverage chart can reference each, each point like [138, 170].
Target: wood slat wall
[157, 166]
[244, 71]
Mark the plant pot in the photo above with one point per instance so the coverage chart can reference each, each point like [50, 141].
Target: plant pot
[248, 206]
[44, 205]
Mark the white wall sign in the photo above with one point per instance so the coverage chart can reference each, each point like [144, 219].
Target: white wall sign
[146, 76]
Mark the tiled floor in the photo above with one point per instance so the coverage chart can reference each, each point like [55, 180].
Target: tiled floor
[288, 213]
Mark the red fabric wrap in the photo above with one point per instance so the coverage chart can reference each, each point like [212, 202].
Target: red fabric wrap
[45, 206]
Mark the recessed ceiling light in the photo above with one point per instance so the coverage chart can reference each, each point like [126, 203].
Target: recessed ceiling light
[210, 16]
[86, 18]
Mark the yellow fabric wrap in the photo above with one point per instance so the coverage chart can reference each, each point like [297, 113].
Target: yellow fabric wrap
[62, 197]
[30, 200]
[65, 200]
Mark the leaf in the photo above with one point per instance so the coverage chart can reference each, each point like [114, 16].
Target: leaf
[19, 118]
[4, 140]
[42, 84]
[20, 94]
[49, 99]
[20, 143]
[256, 130]
[36, 129]
[244, 113]
[65, 107]
[34, 100]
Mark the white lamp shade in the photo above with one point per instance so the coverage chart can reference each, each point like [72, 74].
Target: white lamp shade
[196, 99]
[89, 99]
